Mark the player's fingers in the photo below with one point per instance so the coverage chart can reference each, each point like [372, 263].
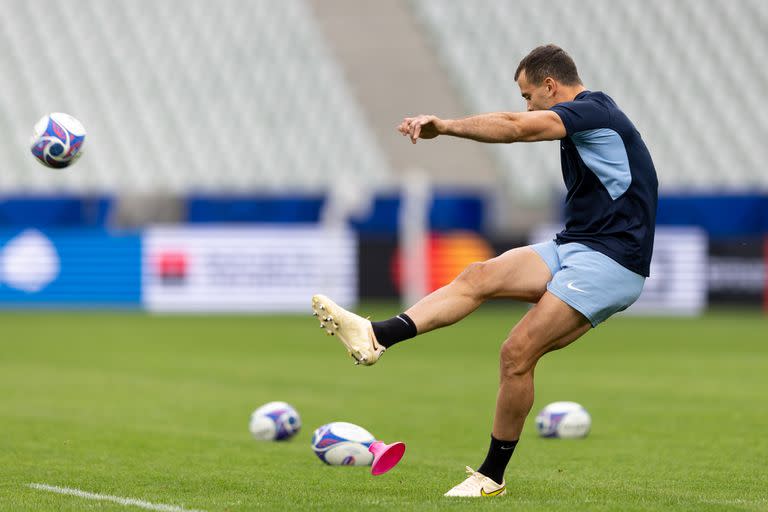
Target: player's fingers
[405, 126]
[415, 132]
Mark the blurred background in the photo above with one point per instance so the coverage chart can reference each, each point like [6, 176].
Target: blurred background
[242, 155]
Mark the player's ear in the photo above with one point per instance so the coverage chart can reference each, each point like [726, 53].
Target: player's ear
[550, 85]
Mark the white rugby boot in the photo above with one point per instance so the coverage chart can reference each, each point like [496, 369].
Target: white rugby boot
[354, 331]
[477, 485]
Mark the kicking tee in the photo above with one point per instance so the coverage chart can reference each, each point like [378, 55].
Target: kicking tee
[612, 187]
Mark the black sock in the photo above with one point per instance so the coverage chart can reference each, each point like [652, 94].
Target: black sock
[394, 330]
[497, 459]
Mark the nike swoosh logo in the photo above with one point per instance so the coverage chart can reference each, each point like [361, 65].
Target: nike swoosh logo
[571, 287]
[492, 493]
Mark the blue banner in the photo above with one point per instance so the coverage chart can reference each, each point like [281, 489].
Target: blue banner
[69, 268]
[720, 215]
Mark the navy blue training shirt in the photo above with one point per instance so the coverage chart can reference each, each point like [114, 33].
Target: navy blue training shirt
[612, 186]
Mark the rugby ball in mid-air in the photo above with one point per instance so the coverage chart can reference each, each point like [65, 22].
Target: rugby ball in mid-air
[343, 444]
[274, 421]
[566, 420]
[57, 140]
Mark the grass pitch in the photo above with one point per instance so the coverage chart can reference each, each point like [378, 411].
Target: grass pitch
[156, 408]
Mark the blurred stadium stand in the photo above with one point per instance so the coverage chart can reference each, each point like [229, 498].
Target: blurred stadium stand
[392, 70]
[187, 95]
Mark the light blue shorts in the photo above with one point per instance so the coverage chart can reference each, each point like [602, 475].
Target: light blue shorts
[589, 281]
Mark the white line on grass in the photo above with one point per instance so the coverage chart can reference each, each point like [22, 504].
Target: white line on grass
[115, 499]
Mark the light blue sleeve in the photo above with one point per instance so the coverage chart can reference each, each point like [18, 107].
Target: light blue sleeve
[603, 151]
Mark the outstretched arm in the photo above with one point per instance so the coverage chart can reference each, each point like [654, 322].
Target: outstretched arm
[500, 127]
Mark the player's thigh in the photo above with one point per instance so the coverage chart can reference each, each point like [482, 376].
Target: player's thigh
[550, 325]
[519, 273]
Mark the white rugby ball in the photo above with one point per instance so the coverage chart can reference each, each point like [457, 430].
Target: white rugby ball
[274, 421]
[343, 444]
[565, 420]
[57, 140]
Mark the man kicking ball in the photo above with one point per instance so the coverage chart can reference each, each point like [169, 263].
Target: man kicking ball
[594, 268]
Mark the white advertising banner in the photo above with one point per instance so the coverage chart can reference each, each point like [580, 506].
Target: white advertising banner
[679, 271]
[246, 269]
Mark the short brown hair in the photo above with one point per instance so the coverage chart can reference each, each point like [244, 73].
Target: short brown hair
[549, 60]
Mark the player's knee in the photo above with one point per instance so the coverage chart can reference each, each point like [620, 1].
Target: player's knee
[475, 277]
[515, 358]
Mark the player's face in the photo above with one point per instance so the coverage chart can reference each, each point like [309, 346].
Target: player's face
[537, 97]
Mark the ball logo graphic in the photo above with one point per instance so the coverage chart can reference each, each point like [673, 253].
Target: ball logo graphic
[566, 420]
[29, 262]
[57, 140]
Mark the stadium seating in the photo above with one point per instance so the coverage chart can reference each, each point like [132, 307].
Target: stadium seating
[190, 96]
[181, 96]
[690, 73]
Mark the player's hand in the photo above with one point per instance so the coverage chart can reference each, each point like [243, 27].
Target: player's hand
[421, 127]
